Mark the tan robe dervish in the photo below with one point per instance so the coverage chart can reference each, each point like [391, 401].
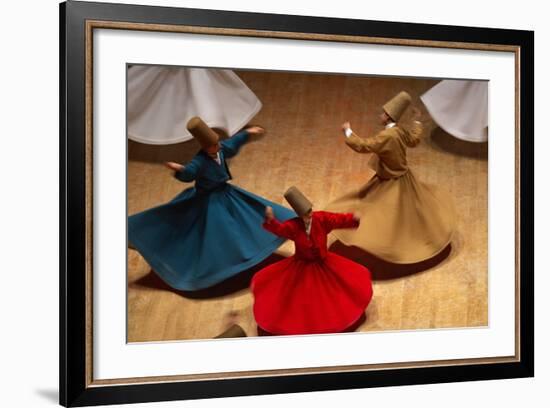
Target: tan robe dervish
[403, 220]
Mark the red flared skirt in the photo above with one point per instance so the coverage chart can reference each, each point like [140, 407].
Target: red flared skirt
[295, 296]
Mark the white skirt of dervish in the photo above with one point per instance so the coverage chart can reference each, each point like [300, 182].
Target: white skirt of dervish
[460, 108]
[162, 99]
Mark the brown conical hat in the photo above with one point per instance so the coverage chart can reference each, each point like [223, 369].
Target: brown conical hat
[397, 105]
[234, 331]
[202, 132]
[298, 201]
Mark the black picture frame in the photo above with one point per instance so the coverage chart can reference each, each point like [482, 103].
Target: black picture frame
[75, 389]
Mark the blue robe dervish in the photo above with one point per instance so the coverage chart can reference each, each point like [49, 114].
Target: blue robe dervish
[209, 232]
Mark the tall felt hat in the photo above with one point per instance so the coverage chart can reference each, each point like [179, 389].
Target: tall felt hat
[397, 105]
[234, 331]
[298, 201]
[202, 132]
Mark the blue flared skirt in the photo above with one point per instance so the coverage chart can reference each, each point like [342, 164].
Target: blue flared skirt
[201, 238]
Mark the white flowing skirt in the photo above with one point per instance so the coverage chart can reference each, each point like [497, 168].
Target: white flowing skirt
[162, 99]
[460, 108]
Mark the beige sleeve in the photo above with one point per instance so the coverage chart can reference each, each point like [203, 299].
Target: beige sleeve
[368, 144]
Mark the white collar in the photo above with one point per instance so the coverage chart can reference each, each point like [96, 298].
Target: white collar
[217, 159]
[308, 226]
[390, 125]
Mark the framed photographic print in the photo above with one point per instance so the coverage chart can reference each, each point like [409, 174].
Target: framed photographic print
[256, 203]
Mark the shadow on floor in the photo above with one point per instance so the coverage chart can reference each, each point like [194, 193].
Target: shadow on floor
[443, 141]
[51, 395]
[228, 286]
[383, 270]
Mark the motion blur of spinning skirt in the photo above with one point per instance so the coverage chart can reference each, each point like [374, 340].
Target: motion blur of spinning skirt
[162, 99]
[460, 108]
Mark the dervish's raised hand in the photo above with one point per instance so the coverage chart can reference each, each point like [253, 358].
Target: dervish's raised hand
[346, 126]
[269, 213]
[255, 130]
[174, 166]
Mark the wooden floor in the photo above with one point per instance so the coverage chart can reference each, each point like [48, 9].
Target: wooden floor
[304, 147]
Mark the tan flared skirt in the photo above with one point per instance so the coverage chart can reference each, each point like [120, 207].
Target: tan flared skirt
[402, 220]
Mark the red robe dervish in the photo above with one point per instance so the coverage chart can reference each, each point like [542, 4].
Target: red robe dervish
[313, 291]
